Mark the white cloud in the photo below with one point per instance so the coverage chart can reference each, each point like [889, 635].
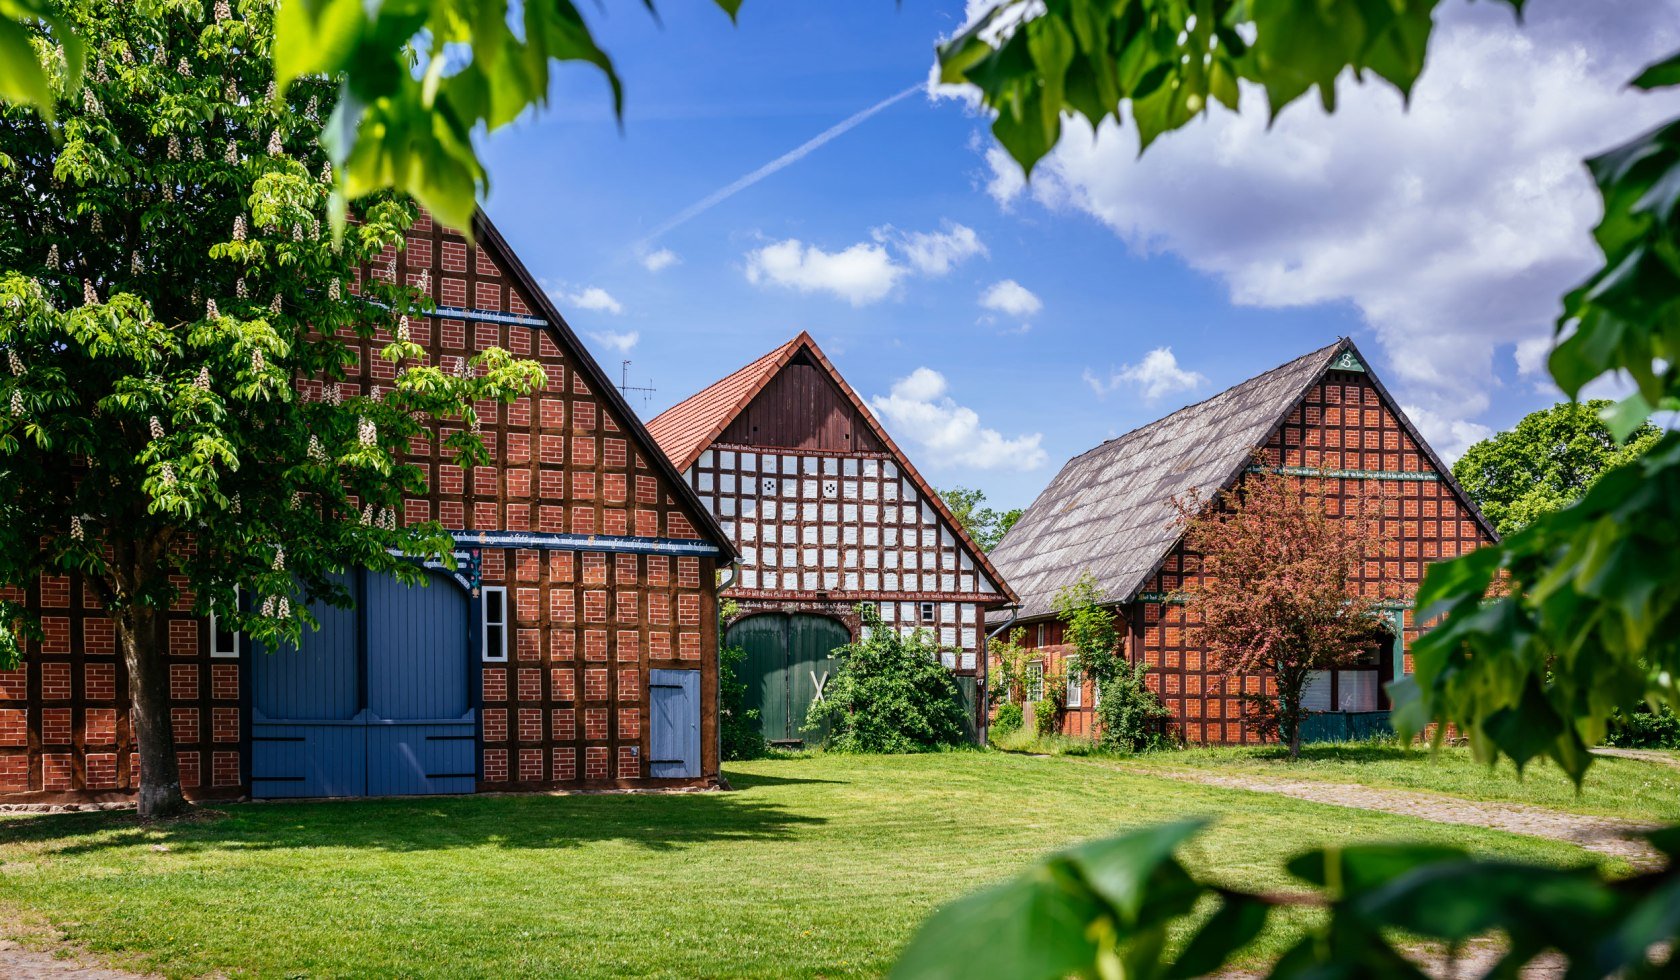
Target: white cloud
[861, 274]
[1452, 227]
[1157, 375]
[621, 342]
[919, 409]
[588, 298]
[660, 260]
[1009, 296]
[866, 272]
[1448, 436]
[935, 253]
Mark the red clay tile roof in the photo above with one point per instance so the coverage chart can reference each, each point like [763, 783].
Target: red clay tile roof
[685, 429]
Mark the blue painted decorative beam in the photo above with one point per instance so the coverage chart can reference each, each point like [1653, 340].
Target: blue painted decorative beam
[586, 542]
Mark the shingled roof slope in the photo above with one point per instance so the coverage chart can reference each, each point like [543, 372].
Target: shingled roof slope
[1110, 510]
[685, 429]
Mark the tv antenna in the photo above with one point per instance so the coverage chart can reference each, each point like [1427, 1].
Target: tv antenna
[624, 385]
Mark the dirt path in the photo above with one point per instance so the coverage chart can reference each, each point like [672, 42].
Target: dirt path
[20, 963]
[1643, 755]
[1602, 835]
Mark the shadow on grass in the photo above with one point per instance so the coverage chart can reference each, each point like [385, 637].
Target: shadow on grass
[1343, 752]
[654, 822]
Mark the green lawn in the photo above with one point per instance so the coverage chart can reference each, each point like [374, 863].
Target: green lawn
[1632, 788]
[818, 866]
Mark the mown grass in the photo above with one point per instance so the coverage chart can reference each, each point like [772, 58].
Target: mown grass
[1635, 789]
[817, 866]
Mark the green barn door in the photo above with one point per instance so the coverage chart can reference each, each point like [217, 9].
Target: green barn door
[764, 638]
[811, 665]
[790, 659]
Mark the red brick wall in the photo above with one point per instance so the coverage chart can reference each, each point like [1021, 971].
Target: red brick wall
[1341, 424]
[562, 467]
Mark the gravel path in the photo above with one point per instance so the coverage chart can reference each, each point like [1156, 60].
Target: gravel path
[1603, 835]
[1643, 755]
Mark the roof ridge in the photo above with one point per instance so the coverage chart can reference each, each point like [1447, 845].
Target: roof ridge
[1218, 394]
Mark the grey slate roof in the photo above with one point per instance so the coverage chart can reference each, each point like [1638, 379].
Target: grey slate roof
[1110, 510]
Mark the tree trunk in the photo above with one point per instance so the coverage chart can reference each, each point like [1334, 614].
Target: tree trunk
[143, 633]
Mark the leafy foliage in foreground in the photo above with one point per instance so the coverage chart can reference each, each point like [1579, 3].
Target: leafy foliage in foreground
[1541, 641]
[1105, 909]
[890, 694]
[415, 81]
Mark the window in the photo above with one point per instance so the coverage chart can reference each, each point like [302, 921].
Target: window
[223, 642]
[928, 612]
[1040, 642]
[494, 623]
[1035, 681]
[1075, 686]
[1357, 687]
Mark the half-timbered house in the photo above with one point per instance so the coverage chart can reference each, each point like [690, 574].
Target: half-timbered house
[827, 512]
[1325, 418]
[576, 646]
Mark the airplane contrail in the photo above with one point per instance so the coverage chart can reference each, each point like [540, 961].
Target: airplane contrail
[792, 156]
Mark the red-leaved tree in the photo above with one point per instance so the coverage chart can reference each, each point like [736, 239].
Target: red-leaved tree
[1281, 587]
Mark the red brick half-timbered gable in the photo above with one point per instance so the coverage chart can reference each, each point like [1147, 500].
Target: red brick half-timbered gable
[1324, 419]
[605, 558]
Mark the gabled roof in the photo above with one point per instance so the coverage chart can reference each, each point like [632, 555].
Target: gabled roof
[1110, 510]
[602, 387]
[685, 429]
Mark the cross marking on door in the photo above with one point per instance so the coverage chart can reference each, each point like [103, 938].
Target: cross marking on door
[819, 684]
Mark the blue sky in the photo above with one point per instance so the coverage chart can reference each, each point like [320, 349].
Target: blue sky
[1439, 239]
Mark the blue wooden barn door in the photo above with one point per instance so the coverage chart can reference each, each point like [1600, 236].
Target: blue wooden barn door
[674, 708]
[421, 728]
[377, 702]
[307, 733]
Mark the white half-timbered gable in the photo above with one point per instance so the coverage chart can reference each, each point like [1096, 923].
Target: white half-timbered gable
[826, 510]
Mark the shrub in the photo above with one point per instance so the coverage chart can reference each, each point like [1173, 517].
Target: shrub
[889, 694]
[738, 727]
[1129, 715]
[1008, 720]
[1643, 728]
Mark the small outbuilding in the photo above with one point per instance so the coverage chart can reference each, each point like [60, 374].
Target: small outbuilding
[827, 512]
[1110, 512]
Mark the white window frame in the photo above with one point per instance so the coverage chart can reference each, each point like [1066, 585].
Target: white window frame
[487, 654]
[1035, 681]
[238, 637]
[1075, 687]
[927, 613]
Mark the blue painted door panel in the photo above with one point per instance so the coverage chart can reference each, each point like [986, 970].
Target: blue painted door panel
[406, 759]
[376, 703]
[674, 733]
[308, 760]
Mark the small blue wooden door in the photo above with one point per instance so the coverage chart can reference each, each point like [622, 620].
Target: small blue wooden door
[674, 707]
[377, 702]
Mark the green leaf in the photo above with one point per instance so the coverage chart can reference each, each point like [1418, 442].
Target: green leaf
[1035, 926]
[22, 79]
[1239, 919]
[1347, 870]
[1659, 74]
[1121, 868]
